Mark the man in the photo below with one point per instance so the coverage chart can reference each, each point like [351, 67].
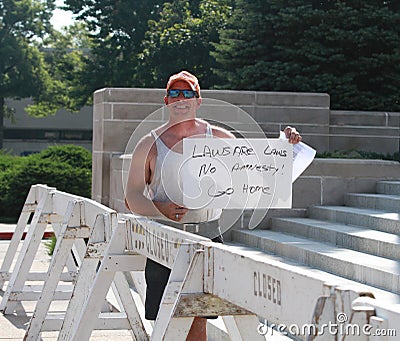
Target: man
[153, 187]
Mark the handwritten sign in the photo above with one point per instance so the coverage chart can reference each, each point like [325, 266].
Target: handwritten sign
[237, 173]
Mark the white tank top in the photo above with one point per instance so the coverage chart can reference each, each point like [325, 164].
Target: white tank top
[166, 184]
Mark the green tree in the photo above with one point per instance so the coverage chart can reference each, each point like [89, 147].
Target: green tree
[117, 29]
[22, 69]
[350, 49]
[182, 39]
[66, 54]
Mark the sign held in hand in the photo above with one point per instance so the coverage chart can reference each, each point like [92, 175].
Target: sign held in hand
[237, 173]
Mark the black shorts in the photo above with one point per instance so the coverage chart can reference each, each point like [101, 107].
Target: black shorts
[156, 280]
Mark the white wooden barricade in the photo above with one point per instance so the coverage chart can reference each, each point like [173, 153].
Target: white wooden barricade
[212, 279]
[206, 279]
[43, 202]
[73, 218]
[173, 248]
[82, 218]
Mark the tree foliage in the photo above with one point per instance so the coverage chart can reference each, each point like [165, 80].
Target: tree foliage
[182, 39]
[22, 69]
[65, 55]
[141, 43]
[349, 49]
[117, 29]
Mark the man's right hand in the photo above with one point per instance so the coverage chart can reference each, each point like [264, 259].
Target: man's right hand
[171, 210]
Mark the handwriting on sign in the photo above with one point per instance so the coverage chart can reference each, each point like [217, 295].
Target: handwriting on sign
[218, 193]
[275, 152]
[237, 173]
[211, 152]
[254, 167]
[243, 151]
[207, 168]
[208, 151]
[256, 189]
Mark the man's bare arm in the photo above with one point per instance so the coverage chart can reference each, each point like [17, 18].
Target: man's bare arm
[139, 176]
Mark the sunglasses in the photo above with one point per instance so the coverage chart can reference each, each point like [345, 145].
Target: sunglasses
[174, 93]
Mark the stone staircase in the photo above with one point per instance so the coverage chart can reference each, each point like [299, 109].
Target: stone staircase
[358, 242]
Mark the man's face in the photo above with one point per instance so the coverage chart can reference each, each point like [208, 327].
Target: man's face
[180, 105]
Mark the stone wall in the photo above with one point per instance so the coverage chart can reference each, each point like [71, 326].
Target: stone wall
[364, 130]
[117, 112]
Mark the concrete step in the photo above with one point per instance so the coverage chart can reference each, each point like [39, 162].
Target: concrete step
[388, 187]
[357, 238]
[380, 220]
[363, 268]
[386, 202]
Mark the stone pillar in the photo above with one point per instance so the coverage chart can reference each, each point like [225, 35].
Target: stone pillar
[116, 114]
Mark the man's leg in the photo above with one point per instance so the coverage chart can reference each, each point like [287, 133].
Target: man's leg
[156, 279]
[198, 330]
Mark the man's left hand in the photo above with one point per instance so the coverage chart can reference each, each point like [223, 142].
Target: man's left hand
[292, 135]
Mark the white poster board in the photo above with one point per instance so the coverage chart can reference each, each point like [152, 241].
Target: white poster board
[237, 173]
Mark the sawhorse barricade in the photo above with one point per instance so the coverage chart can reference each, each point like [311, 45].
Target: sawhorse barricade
[206, 278]
[47, 207]
[183, 253]
[100, 241]
[212, 279]
[73, 219]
